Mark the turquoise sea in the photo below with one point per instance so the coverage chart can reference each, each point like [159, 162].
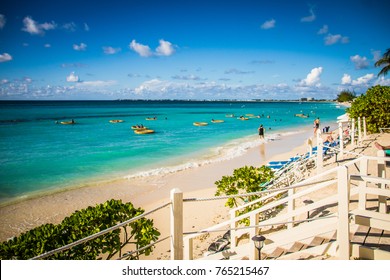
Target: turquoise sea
[37, 153]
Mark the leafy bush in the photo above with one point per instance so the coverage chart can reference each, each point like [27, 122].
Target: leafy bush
[375, 106]
[345, 96]
[81, 224]
[244, 180]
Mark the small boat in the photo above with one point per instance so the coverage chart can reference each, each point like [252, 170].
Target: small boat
[116, 121]
[151, 119]
[217, 121]
[143, 131]
[200, 123]
[69, 122]
[249, 115]
[302, 116]
[243, 118]
[229, 115]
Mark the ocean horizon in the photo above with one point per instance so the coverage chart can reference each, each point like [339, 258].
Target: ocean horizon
[40, 155]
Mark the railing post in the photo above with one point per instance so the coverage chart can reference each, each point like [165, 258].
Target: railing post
[291, 207]
[176, 224]
[310, 146]
[341, 139]
[343, 213]
[233, 235]
[254, 219]
[188, 248]
[363, 184]
[359, 131]
[364, 128]
[382, 173]
[320, 160]
[353, 133]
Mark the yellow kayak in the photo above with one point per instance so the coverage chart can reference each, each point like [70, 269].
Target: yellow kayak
[143, 131]
[243, 119]
[68, 122]
[151, 119]
[200, 123]
[116, 121]
[217, 121]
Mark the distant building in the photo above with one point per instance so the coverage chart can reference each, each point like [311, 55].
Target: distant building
[307, 99]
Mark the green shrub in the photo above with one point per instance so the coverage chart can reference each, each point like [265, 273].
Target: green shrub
[244, 180]
[375, 106]
[81, 224]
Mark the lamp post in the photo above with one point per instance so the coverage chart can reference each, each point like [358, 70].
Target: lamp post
[307, 202]
[259, 243]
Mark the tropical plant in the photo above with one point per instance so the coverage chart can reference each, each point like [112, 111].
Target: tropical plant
[385, 60]
[82, 224]
[345, 96]
[247, 179]
[375, 106]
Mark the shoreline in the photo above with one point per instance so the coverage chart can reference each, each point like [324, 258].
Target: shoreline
[26, 214]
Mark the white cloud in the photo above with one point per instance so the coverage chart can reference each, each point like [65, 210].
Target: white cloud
[382, 81]
[97, 83]
[47, 45]
[346, 79]
[5, 57]
[333, 39]
[310, 18]
[86, 27]
[238, 72]
[323, 30]
[72, 78]
[70, 26]
[165, 48]
[111, 50]
[360, 62]
[364, 80]
[35, 28]
[268, 24]
[81, 47]
[2, 21]
[189, 77]
[142, 50]
[313, 78]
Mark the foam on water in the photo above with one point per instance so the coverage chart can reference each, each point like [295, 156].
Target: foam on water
[230, 150]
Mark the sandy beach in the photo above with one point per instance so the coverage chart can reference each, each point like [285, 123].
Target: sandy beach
[152, 191]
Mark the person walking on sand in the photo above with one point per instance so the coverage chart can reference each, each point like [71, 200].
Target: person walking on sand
[316, 125]
[261, 131]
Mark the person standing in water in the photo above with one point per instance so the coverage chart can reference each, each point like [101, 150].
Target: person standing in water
[261, 131]
[316, 125]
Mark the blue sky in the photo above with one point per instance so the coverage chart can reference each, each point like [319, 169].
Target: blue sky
[197, 49]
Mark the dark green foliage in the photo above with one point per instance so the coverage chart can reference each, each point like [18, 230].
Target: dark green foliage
[81, 224]
[244, 180]
[345, 96]
[375, 106]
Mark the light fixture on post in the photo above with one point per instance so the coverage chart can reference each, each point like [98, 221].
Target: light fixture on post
[259, 243]
[307, 202]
